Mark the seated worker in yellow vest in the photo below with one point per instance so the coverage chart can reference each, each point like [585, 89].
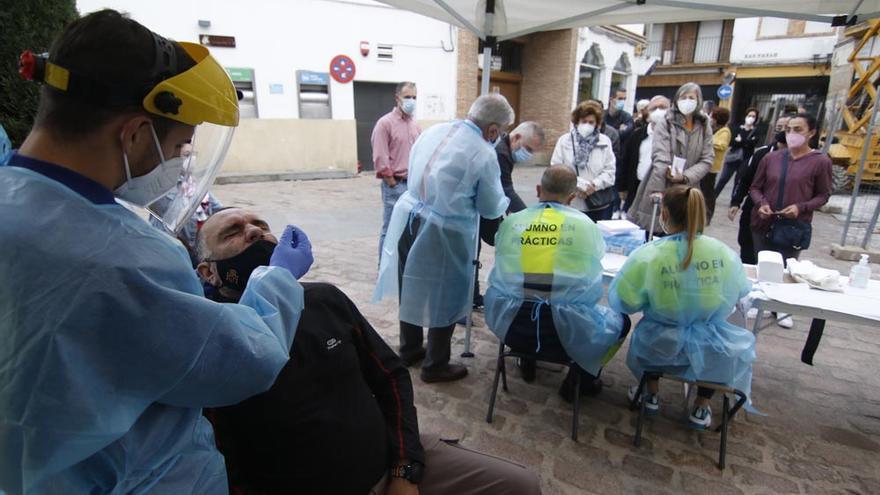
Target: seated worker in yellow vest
[686, 285]
[546, 284]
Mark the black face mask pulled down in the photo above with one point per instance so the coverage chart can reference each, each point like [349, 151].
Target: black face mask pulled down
[780, 137]
[236, 271]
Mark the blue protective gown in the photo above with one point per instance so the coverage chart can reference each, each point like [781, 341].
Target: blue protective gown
[551, 246]
[5, 147]
[684, 330]
[454, 179]
[110, 349]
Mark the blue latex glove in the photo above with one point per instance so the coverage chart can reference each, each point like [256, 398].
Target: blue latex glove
[294, 252]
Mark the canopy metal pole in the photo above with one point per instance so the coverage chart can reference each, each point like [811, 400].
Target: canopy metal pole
[484, 90]
[469, 324]
[490, 40]
[487, 67]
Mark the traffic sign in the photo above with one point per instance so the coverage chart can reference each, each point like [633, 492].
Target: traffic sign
[725, 91]
[342, 69]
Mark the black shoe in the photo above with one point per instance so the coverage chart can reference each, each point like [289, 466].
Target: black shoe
[566, 390]
[591, 387]
[527, 368]
[412, 359]
[478, 301]
[445, 373]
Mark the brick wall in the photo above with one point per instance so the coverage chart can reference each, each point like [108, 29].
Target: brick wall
[467, 89]
[549, 62]
[547, 77]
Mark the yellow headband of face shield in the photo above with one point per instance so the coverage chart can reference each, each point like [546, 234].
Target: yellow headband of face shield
[204, 93]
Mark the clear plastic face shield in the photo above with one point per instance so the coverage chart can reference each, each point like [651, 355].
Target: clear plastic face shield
[208, 101]
[202, 161]
[202, 97]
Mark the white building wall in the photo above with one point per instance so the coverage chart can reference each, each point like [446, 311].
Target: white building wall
[749, 49]
[611, 49]
[277, 37]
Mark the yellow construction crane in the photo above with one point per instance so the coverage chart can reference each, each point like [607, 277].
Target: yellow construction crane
[859, 107]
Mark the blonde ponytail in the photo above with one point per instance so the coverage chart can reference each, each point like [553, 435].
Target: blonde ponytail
[696, 221]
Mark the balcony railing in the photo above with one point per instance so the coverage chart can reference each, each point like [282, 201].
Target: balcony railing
[700, 50]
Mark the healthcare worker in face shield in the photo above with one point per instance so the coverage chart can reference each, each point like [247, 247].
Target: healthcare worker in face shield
[427, 258]
[686, 284]
[110, 349]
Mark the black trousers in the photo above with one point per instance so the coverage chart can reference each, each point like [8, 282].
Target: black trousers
[438, 349]
[602, 214]
[747, 251]
[707, 186]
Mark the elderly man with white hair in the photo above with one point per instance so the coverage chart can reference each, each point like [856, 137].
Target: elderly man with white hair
[427, 257]
[517, 147]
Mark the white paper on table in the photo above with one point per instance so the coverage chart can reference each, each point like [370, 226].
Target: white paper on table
[860, 302]
[617, 226]
[613, 262]
[678, 164]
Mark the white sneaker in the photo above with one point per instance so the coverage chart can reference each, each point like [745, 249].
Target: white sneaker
[652, 405]
[615, 215]
[623, 215]
[700, 418]
[753, 313]
[786, 322]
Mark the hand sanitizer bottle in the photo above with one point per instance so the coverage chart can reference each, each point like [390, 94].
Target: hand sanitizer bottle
[860, 273]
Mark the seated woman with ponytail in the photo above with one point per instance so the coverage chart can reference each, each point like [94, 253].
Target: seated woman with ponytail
[686, 284]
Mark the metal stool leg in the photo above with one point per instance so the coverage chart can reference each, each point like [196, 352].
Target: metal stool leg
[637, 440]
[724, 421]
[495, 384]
[503, 365]
[577, 408]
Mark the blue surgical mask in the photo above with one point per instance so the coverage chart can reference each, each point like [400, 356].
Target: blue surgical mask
[408, 106]
[522, 155]
[620, 104]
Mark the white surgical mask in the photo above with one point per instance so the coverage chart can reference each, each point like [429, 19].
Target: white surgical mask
[585, 129]
[686, 106]
[408, 106]
[143, 190]
[750, 120]
[657, 115]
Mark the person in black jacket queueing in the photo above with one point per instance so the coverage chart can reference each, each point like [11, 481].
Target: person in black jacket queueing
[745, 139]
[637, 159]
[340, 417]
[741, 198]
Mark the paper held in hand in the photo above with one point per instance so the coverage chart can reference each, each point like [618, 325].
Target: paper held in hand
[677, 167]
[583, 184]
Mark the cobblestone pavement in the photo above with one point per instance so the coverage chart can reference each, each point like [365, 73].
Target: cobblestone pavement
[821, 433]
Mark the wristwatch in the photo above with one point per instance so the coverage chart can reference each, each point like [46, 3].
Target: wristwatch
[412, 472]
